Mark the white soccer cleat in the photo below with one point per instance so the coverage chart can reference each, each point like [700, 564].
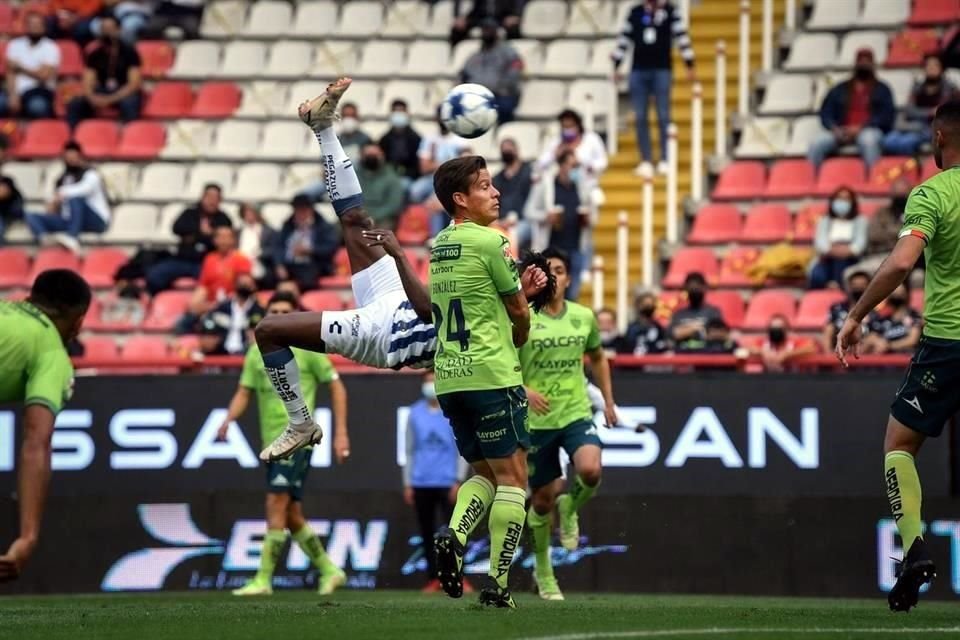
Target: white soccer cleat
[569, 523]
[547, 587]
[254, 588]
[290, 440]
[319, 113]
[330, 582]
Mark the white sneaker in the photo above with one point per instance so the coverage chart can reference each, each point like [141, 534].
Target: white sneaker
[67, 241]
[290, 440]
[254, 588]
[644, 170]
[319, 113]
[663, 167]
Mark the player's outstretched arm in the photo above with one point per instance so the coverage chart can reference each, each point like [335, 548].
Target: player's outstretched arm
[416, 291]
[341, 437]
[238, 406]
[32, 483]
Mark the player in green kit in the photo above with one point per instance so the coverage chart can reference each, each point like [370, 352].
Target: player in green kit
[285, 477]
[561, 334]
[36, 370]
[930, 392]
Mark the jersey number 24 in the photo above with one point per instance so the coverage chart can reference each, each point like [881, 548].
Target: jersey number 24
[457, 330]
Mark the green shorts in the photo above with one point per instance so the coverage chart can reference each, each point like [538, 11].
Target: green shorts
[487, 424]
[543, 459]
[930, 393]
[287, 476]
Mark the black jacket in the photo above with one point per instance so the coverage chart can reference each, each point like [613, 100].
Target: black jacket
[325, 241]
[11, 208]
[400, 148]
[193, 244]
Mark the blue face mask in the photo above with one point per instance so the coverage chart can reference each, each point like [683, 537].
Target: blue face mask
[841, 208]
[575, 174]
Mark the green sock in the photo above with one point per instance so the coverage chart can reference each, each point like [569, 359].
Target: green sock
[270, 554]
[311, 545]
[581, 492]
[506, 525]
[540, 533]
[903, 492]
[473, 500]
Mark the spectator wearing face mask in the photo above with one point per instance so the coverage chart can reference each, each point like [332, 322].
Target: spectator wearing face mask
[645, 335]
[927, 95]
[434, 151]
[218, 276]
[382, 188]
[587, 146]
[840, 240]
[401, 143]
[228, 327]
[895, 328]
[716, 340]
[883, 229]
[856, 284]
[514, 182]
[780, 347]
[610, 338]
[688, 326]
[498, 67]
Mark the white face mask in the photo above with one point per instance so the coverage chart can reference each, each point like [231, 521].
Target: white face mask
[349, 125]
[429, 391]
[842, 207]
[399, 119]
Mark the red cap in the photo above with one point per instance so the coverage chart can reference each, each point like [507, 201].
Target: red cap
[865, 52]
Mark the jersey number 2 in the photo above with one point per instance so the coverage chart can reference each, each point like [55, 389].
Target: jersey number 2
[457, 330]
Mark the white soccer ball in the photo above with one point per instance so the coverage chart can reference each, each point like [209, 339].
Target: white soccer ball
[469, 110]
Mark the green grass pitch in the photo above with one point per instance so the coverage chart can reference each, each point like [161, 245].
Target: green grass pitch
[396, 615]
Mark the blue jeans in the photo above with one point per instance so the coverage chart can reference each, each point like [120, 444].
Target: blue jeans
[868, 142]
[576, 271]
[83, 219]
[80, 108]
[829, 270]
[643, 84]
[35, 103]
[506, 106]
[160, 276]
[421, 189]
[131, 23]
[905, 143]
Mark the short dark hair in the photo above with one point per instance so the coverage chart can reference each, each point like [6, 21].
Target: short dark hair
[572, 115]
[564, 155]
[934, 55]
[606, 310]
[110, 16]
[61, 291]
[456, 176]
[213, 185]
[399, 102]
[284, 296]
[301, 200]
[349, 105]
[559, 254]
[948, 115]
[694, 277]
[72, 145]
[858, 274]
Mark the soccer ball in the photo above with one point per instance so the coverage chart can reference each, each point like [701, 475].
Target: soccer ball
[469, 110]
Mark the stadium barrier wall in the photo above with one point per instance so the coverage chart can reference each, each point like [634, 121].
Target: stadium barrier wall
[733, 488]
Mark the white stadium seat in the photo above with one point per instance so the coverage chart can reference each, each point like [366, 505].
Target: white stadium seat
[133, 223]
[544, 18]
[187, 139]
[376, 129]
[224, 18]
[263, 99]
[566, 58]
[167, 216]
[591, 18]
[823, 83]
[203, 173]
[28, 176]
[242, 59]
[600, 93]
[297, 177]
[834, 14]
[287, 140]
[306, 90]
[891, 14]
[360, 18]
[335, 58]
[276, 214]
[441, 17]
[901, 84]
[290, 59]
[413, 91]
[462, 53]
[787, 93]
[196, 59]
[485, 146]
[406, 18]
[429, 58]
[542, 98]
[531, 52]
[805, 129]
[162, 181]
[269, 18]
[317, 18]
[812, 51]
[854, 41]
[763, 138]
[384, 58]
[600, 62]
[119, 177]
[257, 181]
[235, 140]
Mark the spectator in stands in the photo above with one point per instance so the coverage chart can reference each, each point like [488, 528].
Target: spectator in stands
[125, 304]
[291, 287]
[111, 79]
[506, 13]
[132, 16]
[435, 150]
[11, 204]
[182, 15]
[228, 327]
[401, 143]
[514, 183]
[218, 276]
[927, 95]
[896, 327]
[194, 227]
[840, 240]
[716, 340]
[610, 338]
[856, 111]
[79, 204]
[689, 325]
[645, 335]
[32, 63]
[780, 348]
[652, 27]
[256, 241]
[70, 19]
[306, 247]
[383, 196]
[883, 229]
[589, 148]
[498, 67]
[856, 284]
[562, 215]
[352, 137]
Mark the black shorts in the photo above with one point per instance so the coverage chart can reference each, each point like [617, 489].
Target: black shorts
[930, 393]
[487, 424]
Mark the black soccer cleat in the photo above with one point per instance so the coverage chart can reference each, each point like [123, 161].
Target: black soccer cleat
[448, 553]
[916, 570]
[493, 595]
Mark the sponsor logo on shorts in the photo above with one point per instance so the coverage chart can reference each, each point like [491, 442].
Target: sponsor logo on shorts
[492, 416]
[929, 381]
[490, 436]
[510, 542]
[355, 325]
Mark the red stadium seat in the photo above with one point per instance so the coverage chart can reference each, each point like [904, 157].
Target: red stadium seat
[934, 12]
[413, 228]
[736, 266]
[169, 100]
[790, 179]
[99, 138]
[100, 265]
[44, 139]
[805, 224]
[216, 100]
[716, 224]
[667, 305]
[14, 268]
[840, 172]
[815, 307]
[145, 348]
[71, 58]
[100, 347]
[11, 129]
[53, 258]
[929, 169]
[185, 346]
[6, 18]
[341, 271]
[766, 304]
[156, 57]
[141, 141]
[322, 300]
[688, 260]
[767, 223]
[908, 47]
[67, 90]
[741, 180]
[887, 171]
[730, 304]
[166, 309]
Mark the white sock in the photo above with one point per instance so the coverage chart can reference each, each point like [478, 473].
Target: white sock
[284, 374]
[342, 182]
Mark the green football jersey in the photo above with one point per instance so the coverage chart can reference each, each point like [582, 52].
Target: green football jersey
[552, 361]
[315, 369]
[34, 365]
[933, 213]
[470, 269]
